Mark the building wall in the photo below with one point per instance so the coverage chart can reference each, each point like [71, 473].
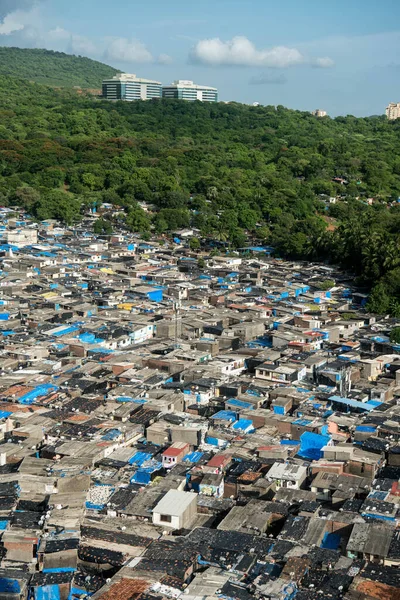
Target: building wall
[190, 93]
[393, 111]
[179, 521]
[131, 90]
[176, 522]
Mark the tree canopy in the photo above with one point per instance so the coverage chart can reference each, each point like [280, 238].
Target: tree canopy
[237, 173]
[53, 68]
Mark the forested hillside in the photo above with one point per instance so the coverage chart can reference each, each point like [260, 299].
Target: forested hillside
[236, 172]
[53, 68]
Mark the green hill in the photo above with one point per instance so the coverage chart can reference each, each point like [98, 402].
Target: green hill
[235, 172]
[53, 68]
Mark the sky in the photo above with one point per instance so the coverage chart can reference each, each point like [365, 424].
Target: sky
[342, 56]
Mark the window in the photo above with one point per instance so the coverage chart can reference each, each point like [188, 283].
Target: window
[165, 518]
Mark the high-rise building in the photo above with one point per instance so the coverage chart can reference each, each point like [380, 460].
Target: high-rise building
[319, 113]
[183, 89]
[125, 86]
[393, 111]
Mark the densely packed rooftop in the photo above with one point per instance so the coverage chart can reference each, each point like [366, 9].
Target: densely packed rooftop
[224, 428]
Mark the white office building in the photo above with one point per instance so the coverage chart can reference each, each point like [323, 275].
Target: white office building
[319, 113]
[125, 86]
[184, 89]
[393, 111]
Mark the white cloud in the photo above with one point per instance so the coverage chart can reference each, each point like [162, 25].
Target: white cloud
[130, 51]
[14, 21]
[324, 63]
[58, 34]
[164, 59]
[240, 51]
[12, 6]
[23, 24]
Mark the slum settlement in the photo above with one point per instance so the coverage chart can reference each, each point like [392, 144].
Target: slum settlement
[182, 428]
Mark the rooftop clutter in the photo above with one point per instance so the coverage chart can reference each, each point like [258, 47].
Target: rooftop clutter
[166, 431]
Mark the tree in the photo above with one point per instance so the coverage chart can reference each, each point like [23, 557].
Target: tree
[325, 285]
[379, 300]
[222, 168]
[160, 224]
[102, 226]
[238, 238]
[194, 243]
[395, 335]
[26, 197]
[59, 205]
[138, 221]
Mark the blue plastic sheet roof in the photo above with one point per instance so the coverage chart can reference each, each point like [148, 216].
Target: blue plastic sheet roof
[193, 457]
[367, 406]
[225, 415]
[240, 403]
[112, 434]
[311, 445]
[243, 425]
[40, 390]
[139, 458]
[129, 399]
[331, 541]
[302, 422]
[47, 592]
[9, 585]
[66, 330]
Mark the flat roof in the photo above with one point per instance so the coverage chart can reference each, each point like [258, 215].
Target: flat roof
[368, 406]
[175, 502]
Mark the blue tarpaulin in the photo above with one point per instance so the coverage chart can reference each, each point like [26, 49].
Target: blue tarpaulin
[225, 415]
[66, 330]
[76, 593]
[215, 441]
[130, 399]
[350, 403]
[331, 541]
[366, 428]
[244, 425]
[311, 445]
[139, 458]
[239, 404]
[112, 434]
[94, 506]
[87, 338]
[144, 473]
[47, 592]
[41, 390]
[193, 457]
[8, 585]
[60, 570]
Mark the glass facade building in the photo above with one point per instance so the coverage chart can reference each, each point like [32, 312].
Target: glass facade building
[187, 90]
[129, 87]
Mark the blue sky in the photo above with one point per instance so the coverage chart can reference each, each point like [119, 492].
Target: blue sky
[339, 55]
